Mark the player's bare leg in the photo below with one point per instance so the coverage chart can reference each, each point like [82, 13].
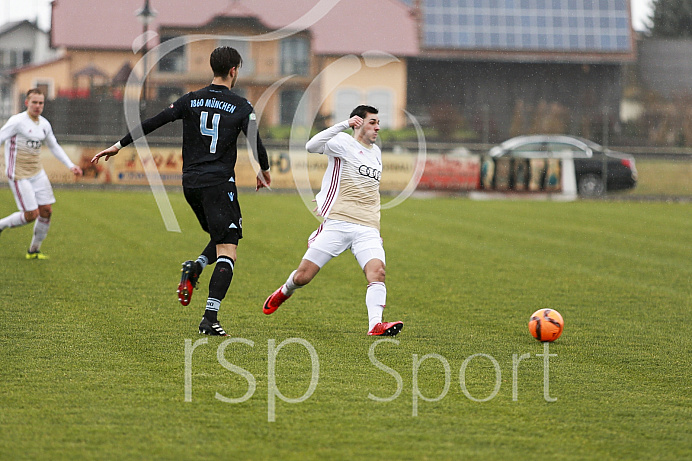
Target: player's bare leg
[18, 219]
[307, 270]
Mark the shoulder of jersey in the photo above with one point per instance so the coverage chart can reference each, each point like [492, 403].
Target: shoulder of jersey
[343, 135]
[187, 95]
[339, 138]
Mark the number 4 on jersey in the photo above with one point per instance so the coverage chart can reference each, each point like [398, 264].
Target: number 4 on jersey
[213, 131]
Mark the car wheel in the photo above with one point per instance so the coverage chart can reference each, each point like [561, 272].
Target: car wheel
[590, 185]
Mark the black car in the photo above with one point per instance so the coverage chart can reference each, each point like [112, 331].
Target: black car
[545, 163]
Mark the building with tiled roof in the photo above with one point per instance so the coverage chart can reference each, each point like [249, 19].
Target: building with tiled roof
[493, 67]
[358, 57]
[506, 67]
[22, 43]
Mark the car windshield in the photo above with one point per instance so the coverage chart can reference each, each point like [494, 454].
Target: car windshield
[565, 150]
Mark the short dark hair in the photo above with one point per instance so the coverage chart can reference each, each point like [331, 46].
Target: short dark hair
[34, 91]
[223, 59]
[362, 110]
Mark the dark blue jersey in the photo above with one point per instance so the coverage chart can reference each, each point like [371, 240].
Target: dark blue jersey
[213, 117]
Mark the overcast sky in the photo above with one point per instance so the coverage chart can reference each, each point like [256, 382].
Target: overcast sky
[12, 10]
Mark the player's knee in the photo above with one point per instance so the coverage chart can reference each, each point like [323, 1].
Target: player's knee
[302, 277]
[376, 274]
[31, 215]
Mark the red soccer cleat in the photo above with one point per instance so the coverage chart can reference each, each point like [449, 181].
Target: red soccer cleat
[188, 281]
[386, 329]
[274, 301]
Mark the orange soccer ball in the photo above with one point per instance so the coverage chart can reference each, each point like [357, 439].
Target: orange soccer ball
[546, 324]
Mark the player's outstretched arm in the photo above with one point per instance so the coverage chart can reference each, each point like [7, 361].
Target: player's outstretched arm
[316, 143]
[108, 153]
[157, 121]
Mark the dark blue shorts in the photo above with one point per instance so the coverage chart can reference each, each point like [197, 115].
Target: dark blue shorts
[218, 211]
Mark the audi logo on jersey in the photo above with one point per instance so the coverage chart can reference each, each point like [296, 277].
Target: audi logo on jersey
[370, 172]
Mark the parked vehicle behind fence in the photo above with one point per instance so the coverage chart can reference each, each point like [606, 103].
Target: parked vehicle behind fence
[536, 163]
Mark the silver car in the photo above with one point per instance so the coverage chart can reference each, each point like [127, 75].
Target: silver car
[532, 163]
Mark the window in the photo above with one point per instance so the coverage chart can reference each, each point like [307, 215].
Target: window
[383, 101]
[564, 150]
[242, 47]
[289, 108]
[345, 102]
[532, 150]
[174, 60]
[381, 98]
[295, 56]
[5, 101]
[46, 86]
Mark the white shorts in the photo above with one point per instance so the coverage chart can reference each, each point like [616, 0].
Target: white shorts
[31, 192]
[333, 237]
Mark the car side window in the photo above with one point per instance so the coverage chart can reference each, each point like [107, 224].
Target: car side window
[565, 150]
[531, 150]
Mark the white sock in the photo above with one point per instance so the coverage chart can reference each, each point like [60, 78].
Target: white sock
[375, 300]
[203, 261]
[13, 220]
[40, 232]
[290, 286]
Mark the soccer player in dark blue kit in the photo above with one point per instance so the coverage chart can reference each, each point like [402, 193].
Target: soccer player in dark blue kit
[213, 117]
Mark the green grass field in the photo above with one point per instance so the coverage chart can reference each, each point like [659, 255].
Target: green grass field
[663, 178]
[93, 341]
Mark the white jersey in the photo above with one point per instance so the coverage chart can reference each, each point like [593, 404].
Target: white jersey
[23, 138]
[351, 185]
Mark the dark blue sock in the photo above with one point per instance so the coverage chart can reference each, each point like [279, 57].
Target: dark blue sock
[218, 286]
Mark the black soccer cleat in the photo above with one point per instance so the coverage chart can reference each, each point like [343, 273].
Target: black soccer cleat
[188, 281]
[212, 329]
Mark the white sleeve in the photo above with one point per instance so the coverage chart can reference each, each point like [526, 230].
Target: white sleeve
[316, 143]
[8, 130]
[56, 149]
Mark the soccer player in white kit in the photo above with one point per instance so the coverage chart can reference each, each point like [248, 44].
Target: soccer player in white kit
[349, 201]
[23, 135]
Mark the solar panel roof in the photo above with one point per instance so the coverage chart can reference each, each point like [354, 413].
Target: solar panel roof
[527, 25]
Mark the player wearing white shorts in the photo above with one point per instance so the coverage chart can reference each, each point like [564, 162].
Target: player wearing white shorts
[349, 201]
[23, 135]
